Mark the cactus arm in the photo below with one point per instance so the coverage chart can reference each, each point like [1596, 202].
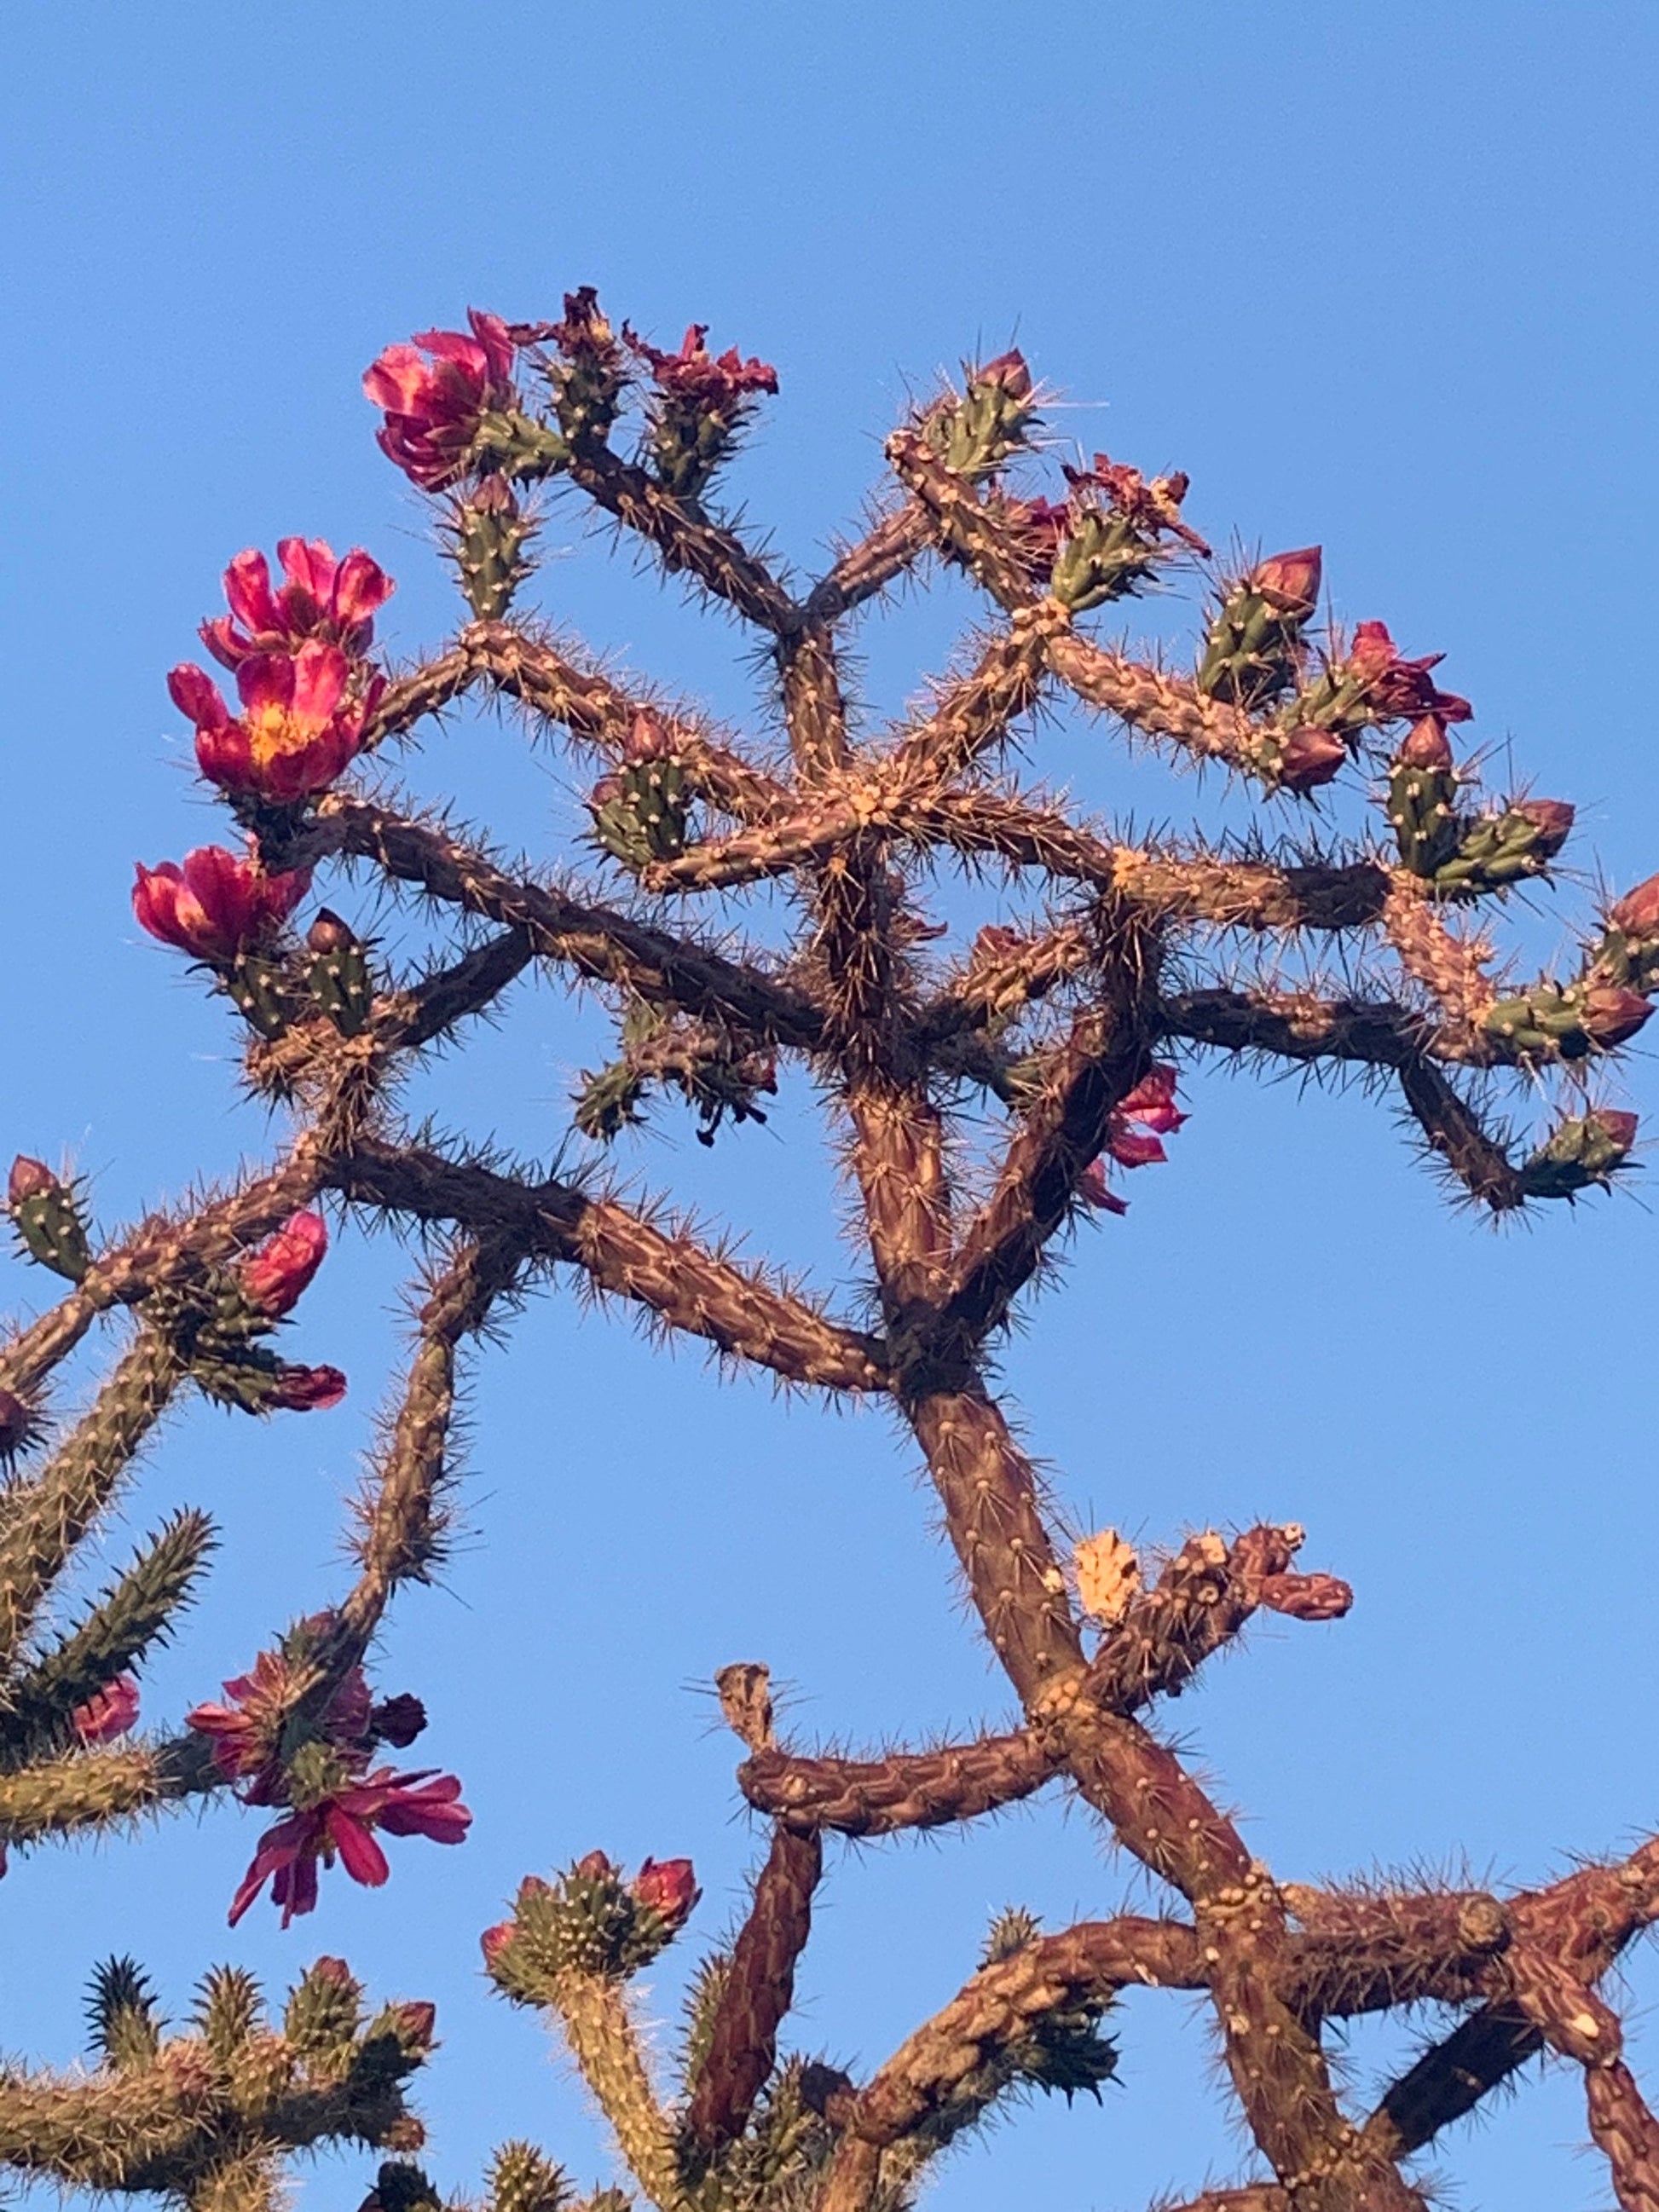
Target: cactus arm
[596, 941]
[684, 540]
[42, 1519]
[136, 1614]
[891, 546]
[605, 2044]
[596, 713]
[1147, 699]
[975, 716]
[1448, 963]
[92, 1789]
[401, 1516]
[1106, 1054]
[684, 1284]
[906, 1789]
[1453, 1130]
[756, 1991]
[425, 690]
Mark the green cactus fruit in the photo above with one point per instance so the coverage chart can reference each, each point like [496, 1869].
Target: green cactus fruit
[1582, 1152]
[521, 2180]
[488, 535]
[1494, 852]
[993, 419]
[257, 987]
[642, 814]
[1103, 556]
[338, 975]
[47, 1219]
[510, 443]
[1252, 651]
[1422, 811]
[324, 2008]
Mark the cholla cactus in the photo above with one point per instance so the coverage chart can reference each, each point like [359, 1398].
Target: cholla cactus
[1075, 1031]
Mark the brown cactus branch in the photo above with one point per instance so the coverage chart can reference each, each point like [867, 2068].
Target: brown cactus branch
[1084, 1081]
[758, 1991]
[684, 540]
[687, 1286]
[598, 942]
[974, 716]
[906, 1789]
[1451, 966]
[1145, 698]
[891, 546]
[596, 712]
[1453, 1130]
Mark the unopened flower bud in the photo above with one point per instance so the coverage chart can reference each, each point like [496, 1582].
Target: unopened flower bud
[29, 1179]
[667, 1887]
[1621, 1128]
[533, 1886]
[331, 1969]
[415, 2023]
[1613, 1015]
[307, 1389]
[1553, 819]
[398, 1721]
[1010, 371]
[593, 1867]
[1426, 746]
[1290, 582]
[494, 1940]
[1636, 914]
[1309, 757]
[275, 1278]
[328, 934]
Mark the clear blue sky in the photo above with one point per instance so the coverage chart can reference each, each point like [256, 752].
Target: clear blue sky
[1379, 276]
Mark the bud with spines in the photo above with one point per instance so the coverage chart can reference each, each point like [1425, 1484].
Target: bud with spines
[1495, 851]
[1104, 555]
[121, 2013]
[1252, 651]
[488, 532]
[641, 813]
[47, 1219]
[324, 2008]
[1569, 1021]
[338, 975]
[1422, 804]
[975, 434]
[1586, 1149]
[521, 2180]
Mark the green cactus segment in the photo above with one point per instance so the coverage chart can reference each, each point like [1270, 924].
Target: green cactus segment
[1550, 1021]
[43, 1520]
[643, 818]
[510, 443]
[1626, 961]
[975, 434]
[401, 2186]
[1422, 810]
[324, 2008]
[1491, 854]
[687, 443]
[52, 1231]
[258, 988]
[489, 535]
[1582, 1153]
[136, 1614]
[229, 2011]
[1252, 651]
[1104, 555]
[341, 986]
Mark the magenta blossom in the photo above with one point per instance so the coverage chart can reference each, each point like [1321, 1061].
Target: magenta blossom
[341, 1825]
[335, 601]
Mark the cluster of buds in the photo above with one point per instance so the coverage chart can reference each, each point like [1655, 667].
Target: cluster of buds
[1134, 1138]
[46, 1213]
[993, 419]
[1603, 1007]
[453, 411]
[305, 692]
[293, 1734]
[1465, 856]
[641, 812]
[217, 1324]
[1253, 652]
[1110, 532]
[699, 402]
[588, 1921]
